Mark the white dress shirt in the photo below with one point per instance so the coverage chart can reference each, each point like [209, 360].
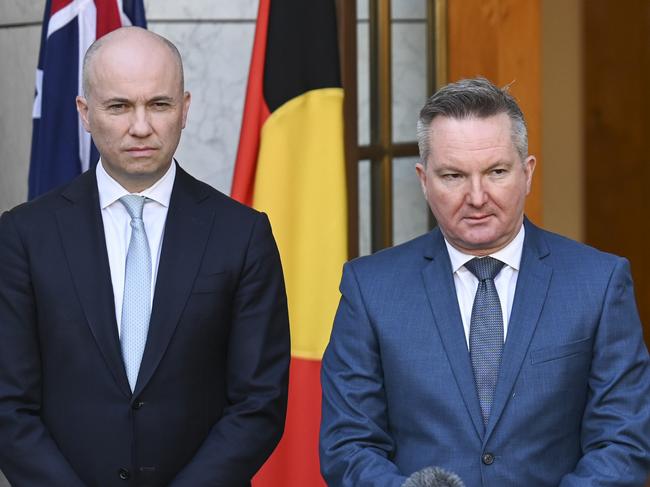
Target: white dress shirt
[506, 281]
[117, 226]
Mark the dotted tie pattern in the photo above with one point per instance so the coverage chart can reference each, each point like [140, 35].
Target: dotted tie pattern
[486, 331]
[136, 305]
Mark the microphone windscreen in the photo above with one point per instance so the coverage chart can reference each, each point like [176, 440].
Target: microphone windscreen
[433, 477]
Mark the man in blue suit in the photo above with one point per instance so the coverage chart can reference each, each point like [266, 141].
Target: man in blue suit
[488, 347]
[147, 346]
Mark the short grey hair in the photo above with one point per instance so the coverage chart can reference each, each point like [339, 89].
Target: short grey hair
[96, 46]
[472, 98]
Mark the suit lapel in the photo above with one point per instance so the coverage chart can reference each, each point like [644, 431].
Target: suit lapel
[441, 291]
[532, 286]
[187, 229]
[84, 244]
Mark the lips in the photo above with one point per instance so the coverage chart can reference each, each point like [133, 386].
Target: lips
[143, 151]
[478, 218]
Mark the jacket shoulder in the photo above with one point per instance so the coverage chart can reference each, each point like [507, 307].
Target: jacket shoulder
[564, 250]
[401, 259]
[224, 203]
[46, 204]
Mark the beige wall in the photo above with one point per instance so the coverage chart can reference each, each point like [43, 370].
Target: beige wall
[562, 118]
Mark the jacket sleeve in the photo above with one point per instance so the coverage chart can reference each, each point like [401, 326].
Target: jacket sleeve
[28, 454]
[257, 375]
[355, 445]
[616, 423]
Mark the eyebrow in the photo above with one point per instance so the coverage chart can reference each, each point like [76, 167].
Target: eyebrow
[501, 162]
[446, 167]
[155, 99]
[161, 98]
[453, 168]
[115, 100]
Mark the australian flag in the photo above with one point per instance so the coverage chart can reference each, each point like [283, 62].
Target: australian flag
[61, 148]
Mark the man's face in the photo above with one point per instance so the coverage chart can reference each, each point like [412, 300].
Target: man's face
[475, 182]
[135, 109]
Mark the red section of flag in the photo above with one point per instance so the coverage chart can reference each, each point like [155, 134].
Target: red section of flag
[256, 112]
[294, 462]
[57, 5]
[108, 17]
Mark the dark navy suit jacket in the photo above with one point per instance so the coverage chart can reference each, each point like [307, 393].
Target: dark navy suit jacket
[210, 400]
[572, 402]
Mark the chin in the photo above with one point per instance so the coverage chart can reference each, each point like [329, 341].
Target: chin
[143, 169]
[485, 243]
[481, 237]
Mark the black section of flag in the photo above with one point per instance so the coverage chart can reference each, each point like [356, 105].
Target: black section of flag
[301, 51]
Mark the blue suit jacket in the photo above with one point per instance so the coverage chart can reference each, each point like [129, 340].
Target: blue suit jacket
[210, 399]
[572, 402]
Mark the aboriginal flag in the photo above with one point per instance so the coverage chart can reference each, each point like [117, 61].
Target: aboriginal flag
[61, 148]
[290, 164]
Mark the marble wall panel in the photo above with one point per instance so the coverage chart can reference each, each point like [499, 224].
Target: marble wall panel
[21, 11]
[409, 9]
[362, 9]
[400, 9]
[410, 210]
[365, 237]
[18, 55]
[409, 77]
[201, 9]
[363, 84]
[216, 59]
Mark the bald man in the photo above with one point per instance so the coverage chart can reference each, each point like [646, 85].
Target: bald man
[143, 324]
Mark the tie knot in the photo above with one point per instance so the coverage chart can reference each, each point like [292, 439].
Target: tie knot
[484, 268]
[133, 204]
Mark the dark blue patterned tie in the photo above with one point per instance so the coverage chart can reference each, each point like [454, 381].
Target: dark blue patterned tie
[486, 331]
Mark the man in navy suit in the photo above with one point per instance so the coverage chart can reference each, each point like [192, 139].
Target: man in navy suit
[532, 373]
[201, 400]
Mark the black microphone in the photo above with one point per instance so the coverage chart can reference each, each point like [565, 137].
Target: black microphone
[433, 477]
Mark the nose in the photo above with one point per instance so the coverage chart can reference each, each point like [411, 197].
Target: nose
[476, 194]
[140, 123]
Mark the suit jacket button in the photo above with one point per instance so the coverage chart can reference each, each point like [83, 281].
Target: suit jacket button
[487, 458]
[137, 405]
[124, 473]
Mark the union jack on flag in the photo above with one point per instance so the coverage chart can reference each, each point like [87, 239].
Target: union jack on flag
[61, 148]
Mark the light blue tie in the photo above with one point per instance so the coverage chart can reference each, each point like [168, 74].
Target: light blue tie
[136, 305]
[486, 331]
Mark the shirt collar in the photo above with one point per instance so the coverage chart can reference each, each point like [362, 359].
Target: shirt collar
[509, 255]
[110, 190]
